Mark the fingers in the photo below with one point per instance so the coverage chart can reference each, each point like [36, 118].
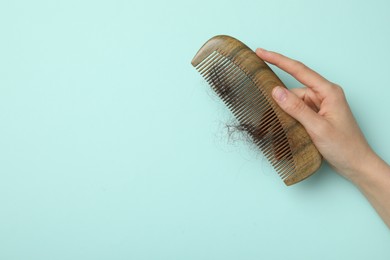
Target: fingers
[308, 96]
[296, 107]
[299, 92]
[298, 70]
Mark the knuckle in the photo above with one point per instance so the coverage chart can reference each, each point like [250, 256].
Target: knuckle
[299, 64]
[299, 68]
[337, 91]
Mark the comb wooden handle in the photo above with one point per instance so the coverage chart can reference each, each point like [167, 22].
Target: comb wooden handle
[226, 63]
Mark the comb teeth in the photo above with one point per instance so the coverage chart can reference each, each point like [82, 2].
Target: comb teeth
[251, 108]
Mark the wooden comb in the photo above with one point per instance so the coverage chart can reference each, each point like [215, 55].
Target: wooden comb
[245, 82]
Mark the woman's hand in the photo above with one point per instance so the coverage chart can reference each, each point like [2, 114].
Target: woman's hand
[321, 107]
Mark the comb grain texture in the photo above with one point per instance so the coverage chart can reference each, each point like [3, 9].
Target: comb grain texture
[244, 82]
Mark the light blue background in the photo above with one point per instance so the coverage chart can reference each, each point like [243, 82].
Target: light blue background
[113, 147]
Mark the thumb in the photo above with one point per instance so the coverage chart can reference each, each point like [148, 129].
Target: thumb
[295, 107]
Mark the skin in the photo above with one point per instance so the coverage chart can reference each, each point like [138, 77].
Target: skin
[321, 107]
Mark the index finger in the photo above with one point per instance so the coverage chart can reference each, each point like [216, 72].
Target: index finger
[298, 70]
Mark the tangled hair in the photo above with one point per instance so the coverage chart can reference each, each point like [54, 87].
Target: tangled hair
[239, 133]
[236, 131]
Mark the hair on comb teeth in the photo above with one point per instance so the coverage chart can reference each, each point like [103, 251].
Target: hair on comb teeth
[244, 82]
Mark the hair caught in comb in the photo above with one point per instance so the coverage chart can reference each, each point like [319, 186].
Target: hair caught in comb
[244, 83]
[261, 133]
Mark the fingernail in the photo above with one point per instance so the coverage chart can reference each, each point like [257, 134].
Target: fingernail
[279, 94]
[260, 50]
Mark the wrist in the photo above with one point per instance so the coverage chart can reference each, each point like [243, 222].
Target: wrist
[371, 172]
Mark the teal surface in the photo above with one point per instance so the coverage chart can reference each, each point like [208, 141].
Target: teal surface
[113, 147]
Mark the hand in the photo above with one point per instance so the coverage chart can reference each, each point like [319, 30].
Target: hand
[321, 107]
